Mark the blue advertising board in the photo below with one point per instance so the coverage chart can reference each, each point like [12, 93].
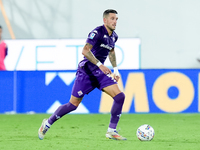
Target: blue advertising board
[146, 90]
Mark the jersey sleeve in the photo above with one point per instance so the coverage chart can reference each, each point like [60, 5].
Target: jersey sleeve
[93, 37]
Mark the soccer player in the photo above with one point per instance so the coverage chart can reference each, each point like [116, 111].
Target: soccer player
[91, 74]
[3, 51]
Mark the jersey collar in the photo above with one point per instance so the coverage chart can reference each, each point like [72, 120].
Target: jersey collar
[107, 31]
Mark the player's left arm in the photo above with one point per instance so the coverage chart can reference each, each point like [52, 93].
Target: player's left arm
[113, 61]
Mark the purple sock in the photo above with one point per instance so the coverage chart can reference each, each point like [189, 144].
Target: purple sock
[116, 110]
[61, 111]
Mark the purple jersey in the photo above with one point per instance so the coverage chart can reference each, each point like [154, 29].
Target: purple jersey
[102, 44]
[89, 76]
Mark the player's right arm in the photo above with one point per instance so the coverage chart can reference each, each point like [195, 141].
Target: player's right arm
[89, 55]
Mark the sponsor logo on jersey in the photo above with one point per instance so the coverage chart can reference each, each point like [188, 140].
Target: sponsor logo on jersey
[92, 35]
[106, 46]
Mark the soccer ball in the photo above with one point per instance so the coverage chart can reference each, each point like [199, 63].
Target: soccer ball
[145, 133]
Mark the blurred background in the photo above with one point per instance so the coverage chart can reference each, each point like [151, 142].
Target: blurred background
[169, 29]
[157, 37]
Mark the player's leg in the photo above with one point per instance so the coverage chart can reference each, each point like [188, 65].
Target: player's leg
[118, 97]
[109, 85]
[65, 109]
[82, 85]
[60, 112]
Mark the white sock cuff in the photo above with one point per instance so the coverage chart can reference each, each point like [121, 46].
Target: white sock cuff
[47, 123]
[111, 129]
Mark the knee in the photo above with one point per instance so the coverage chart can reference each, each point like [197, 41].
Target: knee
[119, 98]
[75, 101]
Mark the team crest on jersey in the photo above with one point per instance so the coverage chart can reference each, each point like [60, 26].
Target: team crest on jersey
[92, 35]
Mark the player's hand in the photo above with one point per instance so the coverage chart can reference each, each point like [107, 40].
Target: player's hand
[116, 74]
[105, 69]
[116, 77]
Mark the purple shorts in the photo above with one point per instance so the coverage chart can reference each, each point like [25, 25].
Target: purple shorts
[86, 81]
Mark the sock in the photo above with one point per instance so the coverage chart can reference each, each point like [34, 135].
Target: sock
[116, 110]
[111, 129]
[61, 111]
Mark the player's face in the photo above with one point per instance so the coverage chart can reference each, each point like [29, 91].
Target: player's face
[111, 21]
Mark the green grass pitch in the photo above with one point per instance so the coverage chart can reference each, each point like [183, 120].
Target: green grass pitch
[87, 132]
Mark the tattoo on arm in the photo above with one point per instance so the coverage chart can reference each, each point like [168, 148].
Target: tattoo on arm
[112, 58]
[89, 45]
[89, 55]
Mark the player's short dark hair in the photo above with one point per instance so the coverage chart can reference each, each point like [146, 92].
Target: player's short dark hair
[0, 27]
[106, 12]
